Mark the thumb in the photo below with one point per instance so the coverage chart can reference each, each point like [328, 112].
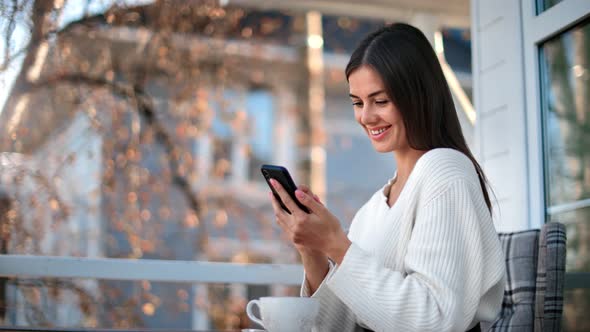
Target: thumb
[311, 202]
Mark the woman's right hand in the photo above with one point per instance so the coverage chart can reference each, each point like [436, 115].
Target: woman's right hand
[316, 229]
[306, 190]
[314, 262]
[300, 248]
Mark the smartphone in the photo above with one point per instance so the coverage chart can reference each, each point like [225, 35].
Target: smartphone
[281, 174]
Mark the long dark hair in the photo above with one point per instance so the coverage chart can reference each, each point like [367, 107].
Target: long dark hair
[415, 82]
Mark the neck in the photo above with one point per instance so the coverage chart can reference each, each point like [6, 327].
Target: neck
[406, 160]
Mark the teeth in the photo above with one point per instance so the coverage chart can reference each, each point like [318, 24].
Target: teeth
[377, 132]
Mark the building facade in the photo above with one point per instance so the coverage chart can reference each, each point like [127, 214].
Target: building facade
[161, 116]
[531, 88]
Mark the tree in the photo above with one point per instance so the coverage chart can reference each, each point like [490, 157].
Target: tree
[124, 79]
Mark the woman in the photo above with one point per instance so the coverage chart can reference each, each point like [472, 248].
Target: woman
[422, 254]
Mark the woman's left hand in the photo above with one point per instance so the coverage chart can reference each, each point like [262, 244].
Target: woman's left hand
[319, 230]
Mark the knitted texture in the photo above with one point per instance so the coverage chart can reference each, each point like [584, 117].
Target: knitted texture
[431, 262]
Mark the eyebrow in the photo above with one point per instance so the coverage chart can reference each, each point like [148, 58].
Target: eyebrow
[369, 96]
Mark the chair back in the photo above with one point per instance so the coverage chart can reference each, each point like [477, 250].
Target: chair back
[550, 277]
[535, 268]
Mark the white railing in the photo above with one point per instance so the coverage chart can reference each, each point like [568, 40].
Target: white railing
[148, 269]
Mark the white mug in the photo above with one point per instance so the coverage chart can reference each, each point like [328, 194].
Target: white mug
[285, 314]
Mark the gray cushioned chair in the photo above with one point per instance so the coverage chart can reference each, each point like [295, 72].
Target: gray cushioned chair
[535, 268]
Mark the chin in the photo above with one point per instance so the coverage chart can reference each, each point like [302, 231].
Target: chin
[383, 149]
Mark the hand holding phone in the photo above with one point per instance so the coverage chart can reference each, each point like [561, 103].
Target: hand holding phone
[281, 174]
[318, 233]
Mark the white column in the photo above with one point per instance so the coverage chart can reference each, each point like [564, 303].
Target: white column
[200, 317]
[205, 156]
[316, 102]
[239, 291]
[499, 99]
[239, 160]
[20, 306]
[285, 131]
[200, 293]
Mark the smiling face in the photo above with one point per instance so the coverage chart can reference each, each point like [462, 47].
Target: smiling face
[375, 111]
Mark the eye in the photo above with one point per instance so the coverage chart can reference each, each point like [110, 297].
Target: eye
[357, 104]
[381, 102]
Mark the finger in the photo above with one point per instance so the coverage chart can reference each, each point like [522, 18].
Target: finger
[317, 199]
[283, 226]
[310, 202]
[287, 200]
[280, 214]
[308, 191]
[305, 189]
[283, 222]
[281, 217]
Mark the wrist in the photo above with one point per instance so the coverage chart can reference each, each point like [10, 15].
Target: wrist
[338, 248]
[305, 251]
[313, 257]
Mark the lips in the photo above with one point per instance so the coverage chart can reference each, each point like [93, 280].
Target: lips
[378, 133]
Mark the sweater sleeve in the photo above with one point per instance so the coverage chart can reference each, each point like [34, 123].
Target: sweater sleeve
[446, 275]
[334, 315]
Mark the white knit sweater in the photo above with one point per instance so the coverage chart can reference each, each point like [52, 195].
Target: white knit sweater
[432, 262]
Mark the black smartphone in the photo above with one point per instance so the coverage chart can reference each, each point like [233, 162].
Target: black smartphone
[281, 174]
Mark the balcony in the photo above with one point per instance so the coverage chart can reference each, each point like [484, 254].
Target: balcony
[186, 272]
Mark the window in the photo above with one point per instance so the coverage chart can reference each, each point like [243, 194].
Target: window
[243, 128]
[259, 107]
[543, 5]
[564, 60]
[565, 98]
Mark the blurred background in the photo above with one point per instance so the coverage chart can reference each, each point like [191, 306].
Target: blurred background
[136, 130]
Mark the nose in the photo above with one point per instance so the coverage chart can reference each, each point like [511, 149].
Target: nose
[368, 115]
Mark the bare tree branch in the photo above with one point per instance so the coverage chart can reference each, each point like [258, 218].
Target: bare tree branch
[40, 27]
[37, 315]
[9, 58]
[37, 176]
[8, 34]
[145, 109]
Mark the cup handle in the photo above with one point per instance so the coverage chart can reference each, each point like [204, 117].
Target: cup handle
[251, 314]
